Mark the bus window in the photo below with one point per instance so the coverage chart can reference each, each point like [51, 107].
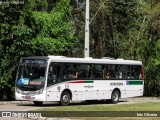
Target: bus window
[67, 71]
[137, 72]
[84, 71]
[97, 71]
[107, 72]
[119, 72]
[70, 71]
[130, 71]
[111, 69]
[125, 70]
[115, 71]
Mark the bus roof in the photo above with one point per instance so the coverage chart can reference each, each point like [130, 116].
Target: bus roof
[86, 60]
[92, 60]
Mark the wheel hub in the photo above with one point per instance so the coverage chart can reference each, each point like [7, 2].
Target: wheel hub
[115, 96]
[65, 98]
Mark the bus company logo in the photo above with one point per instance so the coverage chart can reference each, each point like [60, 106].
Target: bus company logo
[89, 86]
[19, 82]
[6, 114]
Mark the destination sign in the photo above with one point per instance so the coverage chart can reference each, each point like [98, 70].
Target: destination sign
[38, 61]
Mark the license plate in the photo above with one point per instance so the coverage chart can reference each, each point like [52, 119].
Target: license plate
[27, 97]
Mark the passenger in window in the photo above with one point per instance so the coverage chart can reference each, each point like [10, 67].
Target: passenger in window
[140, 76]
[75, 69]
[120, 75]
[75, 75]
[117, 74]
[108, 75]
[131, 75]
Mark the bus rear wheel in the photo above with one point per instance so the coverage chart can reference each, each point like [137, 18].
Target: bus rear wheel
[37, 103]
[115, 97]
[65, 98]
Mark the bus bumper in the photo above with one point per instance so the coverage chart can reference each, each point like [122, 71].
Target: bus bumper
[37, 97]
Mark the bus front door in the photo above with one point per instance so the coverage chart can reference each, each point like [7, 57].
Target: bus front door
[53, 79]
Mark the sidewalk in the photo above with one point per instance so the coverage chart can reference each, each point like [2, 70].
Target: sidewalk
[15, 102]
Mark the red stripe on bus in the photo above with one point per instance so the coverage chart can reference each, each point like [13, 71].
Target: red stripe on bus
[80, 81]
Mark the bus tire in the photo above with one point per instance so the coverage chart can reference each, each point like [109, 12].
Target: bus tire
[115, 97]
[65, 98]
[37, 103]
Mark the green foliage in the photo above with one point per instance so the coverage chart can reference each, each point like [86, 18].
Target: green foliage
[33, 28]
[125, 29]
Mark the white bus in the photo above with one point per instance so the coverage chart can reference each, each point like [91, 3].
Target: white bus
[58, 78]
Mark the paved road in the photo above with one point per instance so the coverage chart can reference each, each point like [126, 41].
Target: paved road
[27, 106]
[22, 107]
[139, 100]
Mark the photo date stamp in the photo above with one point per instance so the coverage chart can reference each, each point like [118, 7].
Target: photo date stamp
[13, 2]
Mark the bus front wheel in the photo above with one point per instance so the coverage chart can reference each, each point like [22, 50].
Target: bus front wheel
[115, 97]
[65, 98]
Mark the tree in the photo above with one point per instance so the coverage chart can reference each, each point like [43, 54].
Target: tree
[125, 29]
[33, 28]
[150, 46]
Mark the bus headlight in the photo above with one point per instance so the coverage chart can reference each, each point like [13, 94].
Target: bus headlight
[19, 91]
[39, 91]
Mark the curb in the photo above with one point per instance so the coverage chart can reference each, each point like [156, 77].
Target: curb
[15, 102]
[31, 102]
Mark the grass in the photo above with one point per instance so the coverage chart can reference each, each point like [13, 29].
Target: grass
[122, 108]
[151, 106]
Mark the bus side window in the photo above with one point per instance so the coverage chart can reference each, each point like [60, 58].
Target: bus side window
[84, 71]
[70, 71]
[97, 71]
[137, 72]
[66, 71]
[107, 72]
[112, 71]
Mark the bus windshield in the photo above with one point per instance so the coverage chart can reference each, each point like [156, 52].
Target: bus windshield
[31, 76]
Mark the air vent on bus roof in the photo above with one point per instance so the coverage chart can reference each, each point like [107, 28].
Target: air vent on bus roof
[57, 56]
[107, 58]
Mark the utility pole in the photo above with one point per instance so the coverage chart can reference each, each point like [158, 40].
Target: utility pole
[86, 49]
